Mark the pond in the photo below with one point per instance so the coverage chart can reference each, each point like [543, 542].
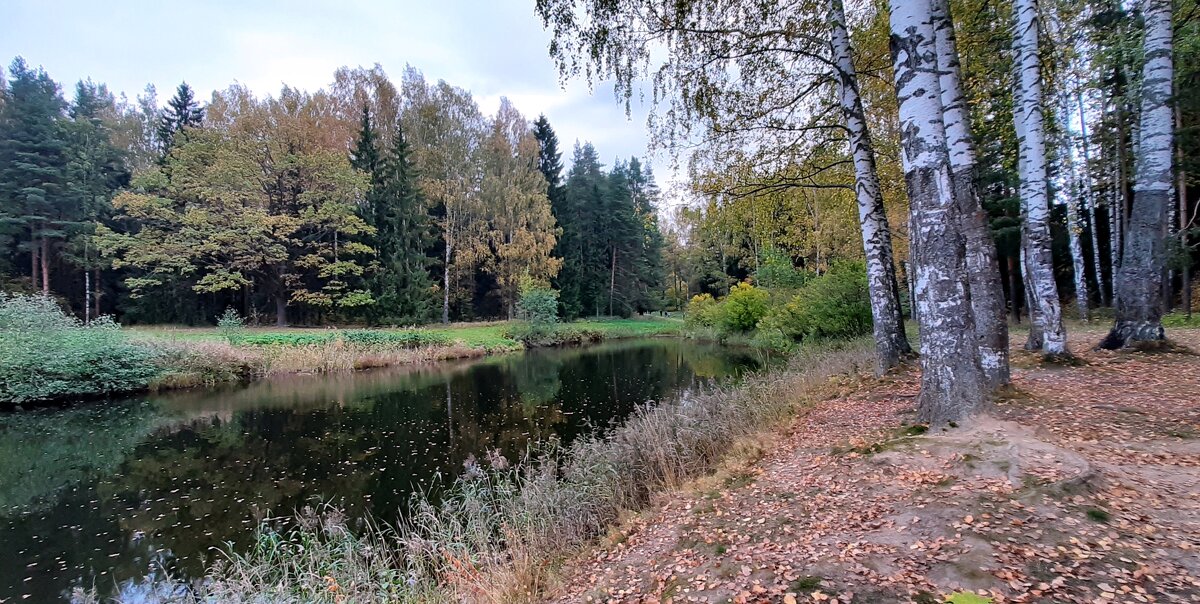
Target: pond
[118, 494]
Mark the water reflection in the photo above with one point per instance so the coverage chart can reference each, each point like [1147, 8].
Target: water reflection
[111, 494]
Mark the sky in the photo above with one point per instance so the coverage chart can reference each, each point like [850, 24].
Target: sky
[493, 48]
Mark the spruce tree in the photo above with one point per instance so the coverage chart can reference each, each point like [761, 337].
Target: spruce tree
[397, 210]
[648, 269]
[403, 232]
[550, 163]
[182, 112]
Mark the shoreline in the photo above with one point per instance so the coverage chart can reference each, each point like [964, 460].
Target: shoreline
[191, 357]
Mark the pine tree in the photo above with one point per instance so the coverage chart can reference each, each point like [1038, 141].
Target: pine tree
[182, 112]
[33, 167]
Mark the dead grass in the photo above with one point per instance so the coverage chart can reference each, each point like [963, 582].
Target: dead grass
[501, 531]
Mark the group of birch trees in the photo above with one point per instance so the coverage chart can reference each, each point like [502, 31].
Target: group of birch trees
[756, 93]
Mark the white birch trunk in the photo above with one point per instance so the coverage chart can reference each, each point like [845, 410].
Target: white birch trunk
[1139, 285]
[891, 342]
[1075, 236]
[983, 268]
[952, 384]
[1089, 196]
[1031, 140]
[1114, 235]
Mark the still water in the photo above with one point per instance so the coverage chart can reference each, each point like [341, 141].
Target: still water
[115, 495]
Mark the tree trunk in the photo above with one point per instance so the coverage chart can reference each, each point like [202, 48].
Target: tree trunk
[1014, 286]
[34, 247]
[96, 291]
[1115, 232]
[1090, 200]
[1185, 271]
[612, 281]
[87, 297]
[952, 384]
[983, 268]
[1075, 242]
[45, 260]
[1036, 337]
[1139, 304]
[891, 343]
[1031, 141]
[446, 287]
[280, 310]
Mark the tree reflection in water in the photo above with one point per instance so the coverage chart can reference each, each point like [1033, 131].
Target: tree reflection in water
[117, 494]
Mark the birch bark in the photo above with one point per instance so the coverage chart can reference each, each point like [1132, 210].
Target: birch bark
[891, 342]
[951, 381]
[983, 268]
[1139, 285]
[1031, 140]
[1090, 196]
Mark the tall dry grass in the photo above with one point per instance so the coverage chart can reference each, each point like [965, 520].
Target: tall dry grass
[192, 363]
[500, 531]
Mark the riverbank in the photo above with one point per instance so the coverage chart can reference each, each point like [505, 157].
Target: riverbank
[193, 357]
[809, 483]
[1080, 486]
[51, 357]
[503, 529]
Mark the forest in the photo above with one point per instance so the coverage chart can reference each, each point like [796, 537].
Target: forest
[368, 202]
[951, 242]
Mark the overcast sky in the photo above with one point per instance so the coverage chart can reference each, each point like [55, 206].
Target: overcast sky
[493, 48]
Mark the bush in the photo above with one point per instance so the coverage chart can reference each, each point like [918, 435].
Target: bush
[232, 326]
[46, 354]
[413, 338]
[776, 271]
[538, 305]
[744, 307]
[835, 305]
[702, 311]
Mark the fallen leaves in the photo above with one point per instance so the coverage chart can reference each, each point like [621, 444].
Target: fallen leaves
[1090, 496]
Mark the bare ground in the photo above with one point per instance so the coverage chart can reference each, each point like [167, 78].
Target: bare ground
[1082, 484]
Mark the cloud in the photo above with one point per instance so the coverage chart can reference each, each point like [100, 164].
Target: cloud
[494, 48]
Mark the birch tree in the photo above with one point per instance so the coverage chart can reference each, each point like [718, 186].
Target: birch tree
[983, 268]
[1139, 284]
[951, 380]
[742, 88]
[446, 127]
[521, 231]
[1031, 166]
[891, 343]
[1070, 188]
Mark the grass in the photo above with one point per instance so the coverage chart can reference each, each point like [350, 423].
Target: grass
[503, 528]
[202, 356]
[492, 335]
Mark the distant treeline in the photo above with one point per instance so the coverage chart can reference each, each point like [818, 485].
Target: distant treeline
[364, 202]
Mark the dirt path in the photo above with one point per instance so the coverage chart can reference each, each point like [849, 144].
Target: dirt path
[1083, 486]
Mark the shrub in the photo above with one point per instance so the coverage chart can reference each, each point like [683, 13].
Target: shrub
[835, 305]
[776, 271]
[232, 326]
[702, 311]
[46, 354]
[191, 364]
[413, 338]
[744, 307]
[538, 305]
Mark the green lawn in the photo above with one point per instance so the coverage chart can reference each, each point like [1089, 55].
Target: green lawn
[489, 335]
